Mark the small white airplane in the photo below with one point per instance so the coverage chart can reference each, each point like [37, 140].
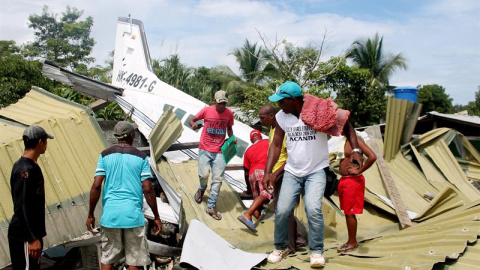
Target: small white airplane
[133, 72]
[144, 97]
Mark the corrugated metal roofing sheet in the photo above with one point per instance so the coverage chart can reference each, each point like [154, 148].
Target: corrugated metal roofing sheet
[165, 132]
[410, 247]
[395, 122]
[419, 247]
[68, 164]
[184, 178]
[448, 165]
[468, 119]
[439, 172]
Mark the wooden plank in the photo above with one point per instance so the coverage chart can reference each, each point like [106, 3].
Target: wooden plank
[233, 167]
[182, 146]
[173, 147]
[400, 209]
[98, 105]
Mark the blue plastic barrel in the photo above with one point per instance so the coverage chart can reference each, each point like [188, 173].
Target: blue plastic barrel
[406, 92]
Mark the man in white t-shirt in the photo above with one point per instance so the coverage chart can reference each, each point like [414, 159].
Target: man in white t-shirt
[307, 151]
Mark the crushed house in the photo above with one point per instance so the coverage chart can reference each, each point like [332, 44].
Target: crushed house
[437, 190]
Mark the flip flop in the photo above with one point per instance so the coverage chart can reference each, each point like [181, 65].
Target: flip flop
[198, 196]
[247, 223]
[346, 248]
[214, 214]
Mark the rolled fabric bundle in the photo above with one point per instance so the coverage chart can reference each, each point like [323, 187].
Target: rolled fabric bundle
[324, 115]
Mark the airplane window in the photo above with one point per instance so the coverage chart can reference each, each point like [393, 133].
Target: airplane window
[188, 125]
[180, 113]
[166, 106]
[242, 147]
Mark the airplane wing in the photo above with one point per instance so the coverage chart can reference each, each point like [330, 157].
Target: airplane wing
[80, 83]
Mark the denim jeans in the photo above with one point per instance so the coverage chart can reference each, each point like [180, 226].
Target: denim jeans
[215, 161]
[292, 186]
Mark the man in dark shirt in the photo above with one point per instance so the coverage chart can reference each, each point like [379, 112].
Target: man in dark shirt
[27, 227]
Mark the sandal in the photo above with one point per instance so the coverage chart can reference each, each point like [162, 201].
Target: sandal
[198, 197]
[346, 248]
[247, 223]
[214, 214]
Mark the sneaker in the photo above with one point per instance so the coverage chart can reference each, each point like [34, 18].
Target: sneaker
[277, 255]
[316, 260]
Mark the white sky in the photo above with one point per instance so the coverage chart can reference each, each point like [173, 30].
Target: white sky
[439, 38]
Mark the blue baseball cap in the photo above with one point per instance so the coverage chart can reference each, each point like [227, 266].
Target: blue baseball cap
[287, 90]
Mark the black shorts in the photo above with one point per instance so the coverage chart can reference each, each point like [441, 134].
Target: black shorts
[19, 255]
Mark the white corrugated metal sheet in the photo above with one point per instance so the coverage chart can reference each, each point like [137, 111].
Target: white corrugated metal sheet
[469, 119]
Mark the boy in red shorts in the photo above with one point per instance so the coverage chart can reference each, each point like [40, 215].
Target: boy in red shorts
[351, 189]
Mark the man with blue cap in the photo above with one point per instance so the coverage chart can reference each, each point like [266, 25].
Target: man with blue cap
[307, 151]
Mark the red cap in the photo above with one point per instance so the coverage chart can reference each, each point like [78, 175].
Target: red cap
[255, 132]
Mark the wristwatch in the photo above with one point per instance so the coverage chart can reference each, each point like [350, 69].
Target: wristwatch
[358, 150]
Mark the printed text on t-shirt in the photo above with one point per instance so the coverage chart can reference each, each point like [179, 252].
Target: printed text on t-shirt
[300, 133]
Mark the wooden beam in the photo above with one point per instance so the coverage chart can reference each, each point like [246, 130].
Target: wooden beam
[145, 150]
[233, 167]
[182, 146]
[245, 196]
[98, 105]
[173, 147]
[399, 206]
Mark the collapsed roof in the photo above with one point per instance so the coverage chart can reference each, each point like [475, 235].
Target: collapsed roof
[435, 175]
[68, 164]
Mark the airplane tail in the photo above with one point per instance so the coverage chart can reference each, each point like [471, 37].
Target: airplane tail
[131, 49]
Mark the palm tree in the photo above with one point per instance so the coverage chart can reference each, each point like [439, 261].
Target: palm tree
[170, 70]
[369, 54]
[251, 64]
[250, 61]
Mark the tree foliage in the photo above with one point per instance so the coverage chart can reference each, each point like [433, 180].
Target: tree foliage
[351, 85]
[207, 81]
[434, 98]
[369, 54]
[65, 41]
[172, 71]
[473, 107]
[273, 64]
[8, 47]
[250, 60]
[17, 75]
[200, 83]
[288, 62]
[257, 97]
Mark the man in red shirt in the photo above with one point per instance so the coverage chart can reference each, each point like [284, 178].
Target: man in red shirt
[218, 122]
[254, 162]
